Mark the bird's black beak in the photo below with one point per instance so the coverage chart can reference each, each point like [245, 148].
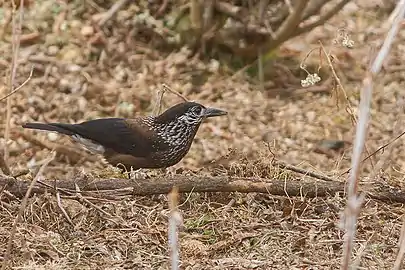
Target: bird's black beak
[211, 112]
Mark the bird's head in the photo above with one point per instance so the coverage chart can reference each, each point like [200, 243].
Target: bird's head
[190, 113]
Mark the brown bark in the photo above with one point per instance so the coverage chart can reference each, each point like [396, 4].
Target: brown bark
[163, 185]
[184, 183]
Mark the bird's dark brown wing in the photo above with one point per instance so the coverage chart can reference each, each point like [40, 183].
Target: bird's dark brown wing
[126, 136]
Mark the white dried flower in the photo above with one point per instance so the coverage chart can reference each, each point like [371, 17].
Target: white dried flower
[343, 39]
[347, 42]
[311, 79]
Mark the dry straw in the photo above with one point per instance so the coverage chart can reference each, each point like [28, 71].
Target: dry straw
[21, 210]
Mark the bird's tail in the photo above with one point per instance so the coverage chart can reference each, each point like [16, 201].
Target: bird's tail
[50, 127]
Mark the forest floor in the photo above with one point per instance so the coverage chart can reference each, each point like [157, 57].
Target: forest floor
[81, 74]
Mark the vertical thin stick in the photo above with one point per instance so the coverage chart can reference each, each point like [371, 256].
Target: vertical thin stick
[3, 164]
[260, 68]
[174, 221]
[354, 201]
[401, 252]
[16, 27]
[158, 103]
[159, 98]
[167, 88]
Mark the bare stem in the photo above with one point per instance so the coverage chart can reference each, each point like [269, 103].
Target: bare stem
[174, 221]
[354, 201]
[166, 87]
[322, 18]
[20, 86]
[401, 252]
[16, 27]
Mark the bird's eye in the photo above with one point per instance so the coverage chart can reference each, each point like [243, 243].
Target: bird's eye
[197, 110]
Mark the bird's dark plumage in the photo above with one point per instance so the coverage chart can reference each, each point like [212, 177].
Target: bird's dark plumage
[142, 142]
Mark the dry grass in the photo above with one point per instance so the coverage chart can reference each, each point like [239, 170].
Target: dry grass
[76, 79]
[225, 231]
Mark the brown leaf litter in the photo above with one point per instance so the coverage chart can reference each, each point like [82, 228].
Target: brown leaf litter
[82, 73]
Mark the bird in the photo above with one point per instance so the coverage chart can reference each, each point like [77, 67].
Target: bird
[143, 142]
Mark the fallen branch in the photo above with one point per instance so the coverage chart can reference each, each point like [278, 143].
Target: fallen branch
[113, 187]
[101, 187]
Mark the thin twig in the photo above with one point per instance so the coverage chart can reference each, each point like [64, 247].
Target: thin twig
[401, 252]
[260, 64]
[81, 197]
[354, 201]
[393, 15]
[174, 221]
[378, 150]
[336, 77]
[349, 108]
[71, 194]
[361, 252]
[16, 26]
[21, 86]
[384, 157]
[322, 19]
[3, 164]
[63, 209]
[293, 168]
[21, 211]
[166, 87]
[158, 102]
